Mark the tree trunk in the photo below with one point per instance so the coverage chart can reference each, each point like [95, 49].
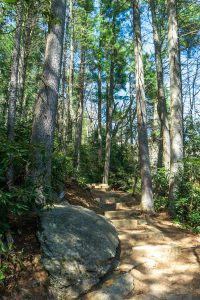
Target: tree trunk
[147, 196]
[110, 101]
[79, 122]
[26, 45]
[99, 116]
[99, 85]
[46, 104]
[162, 106]
[71, 73]
[155, 138]
[13, 89]
[176, 126]
[62, 105]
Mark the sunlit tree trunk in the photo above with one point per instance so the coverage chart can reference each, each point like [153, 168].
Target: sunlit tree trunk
[176, 125]
[109, 109]
[155, 138]
[13, 90]
[131, 114]
[79, 118]
[147, 195]
[62, 105]
[110, 101]
[162, 107]
[46, 104]
[71, 72]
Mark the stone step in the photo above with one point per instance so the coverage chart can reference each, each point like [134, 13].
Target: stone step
[124, 205]
[120, 214]
[128, 223]
[140, 236]
[113, 199]
[115, 288]
[142, 253]
[100, 186]
[116, 206]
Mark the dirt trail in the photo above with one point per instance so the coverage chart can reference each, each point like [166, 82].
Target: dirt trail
[163, 259]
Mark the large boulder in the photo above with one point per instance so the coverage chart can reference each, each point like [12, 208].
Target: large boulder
[79, 248]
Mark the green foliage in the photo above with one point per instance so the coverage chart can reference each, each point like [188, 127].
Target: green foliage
[187, 202]
[123, 167]
[3, 268]
[62, 168]
[160, 182]
[21, 196]
[160, 189]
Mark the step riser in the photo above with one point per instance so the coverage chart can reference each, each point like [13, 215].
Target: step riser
[118, 201]
[108, 207]
[141, 237]
[158, 254]
[128, 224]
[118, 214]
[115, 206]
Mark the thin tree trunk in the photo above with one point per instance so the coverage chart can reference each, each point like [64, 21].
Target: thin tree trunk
[46, 105]
[99, 115]
[99, 84]
[154, 147]
[62, 105]
[110, 101]
[71, 72]
[162, 106]
[64, 100]
[13, 89]
[147, 195]
[79, 123]
[131, 115]
[26, 45]
[176, 125]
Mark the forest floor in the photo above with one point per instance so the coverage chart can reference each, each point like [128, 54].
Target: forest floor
[162, 258]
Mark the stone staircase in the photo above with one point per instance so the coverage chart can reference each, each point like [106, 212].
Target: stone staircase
[161, 263]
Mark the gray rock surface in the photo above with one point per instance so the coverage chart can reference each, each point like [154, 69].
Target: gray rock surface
[117, 288]
[79, 248]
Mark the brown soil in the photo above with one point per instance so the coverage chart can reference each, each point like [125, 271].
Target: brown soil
[78, 195]
[25, 276]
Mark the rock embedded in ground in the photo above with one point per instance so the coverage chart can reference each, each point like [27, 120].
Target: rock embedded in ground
[79, 247]
[116, 288]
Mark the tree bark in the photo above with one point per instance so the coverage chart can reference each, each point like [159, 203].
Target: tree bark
[46, 104]
[176, 126]
[99, 115]
[155, 138]
[162, 106]
[71, 72]
[110, 101]
[13, 90]
[62, 105]
[25, 51]
[79, 122]
[146, 182]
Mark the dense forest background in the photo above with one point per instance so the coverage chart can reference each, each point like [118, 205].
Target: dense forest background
[100, 91]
